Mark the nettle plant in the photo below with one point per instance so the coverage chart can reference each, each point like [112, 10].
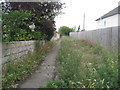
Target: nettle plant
[16, 26]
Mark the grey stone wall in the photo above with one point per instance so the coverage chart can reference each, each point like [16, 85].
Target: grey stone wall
[107, 37]
[15, 50]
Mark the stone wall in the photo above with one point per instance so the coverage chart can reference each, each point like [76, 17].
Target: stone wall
[17, 49]
[107, 37]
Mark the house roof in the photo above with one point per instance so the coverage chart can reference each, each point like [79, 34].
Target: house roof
[111, 13]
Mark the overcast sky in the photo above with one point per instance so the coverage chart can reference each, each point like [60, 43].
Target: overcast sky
[93, 9]
[75, 9]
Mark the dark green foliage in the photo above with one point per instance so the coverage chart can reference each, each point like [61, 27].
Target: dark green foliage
[64, 30]
[16, 27]
[44, 14]
[39, 36]
[12, 23]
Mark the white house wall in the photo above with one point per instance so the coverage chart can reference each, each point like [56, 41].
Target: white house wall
[111, 21]
[119, 20]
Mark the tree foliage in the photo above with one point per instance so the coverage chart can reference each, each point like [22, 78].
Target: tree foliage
[16, 27]
[43, 14]
[64, 30]
[13, 24]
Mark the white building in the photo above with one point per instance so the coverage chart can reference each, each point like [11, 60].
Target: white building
[110, 19]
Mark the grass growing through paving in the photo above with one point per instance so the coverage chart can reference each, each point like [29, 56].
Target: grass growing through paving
[15, 71]
[82, 65]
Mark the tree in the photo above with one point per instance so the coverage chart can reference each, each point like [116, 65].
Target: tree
[44, 14]
[78, 28]
[64, 30]
[16, 27]
[13, 24]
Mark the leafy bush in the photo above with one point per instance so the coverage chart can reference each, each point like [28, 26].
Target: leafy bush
[64, 30]
[16, 27]
[45, 13]
[39, 36]
[13, 23]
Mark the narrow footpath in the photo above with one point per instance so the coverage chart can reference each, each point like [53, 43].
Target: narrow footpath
[45, 72]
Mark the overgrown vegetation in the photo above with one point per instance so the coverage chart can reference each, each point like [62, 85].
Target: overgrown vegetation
[17, 22]
[82, 65]
[15, 71]
[13, 26]
[64, 30]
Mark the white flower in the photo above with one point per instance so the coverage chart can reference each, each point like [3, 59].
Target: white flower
[32, 27]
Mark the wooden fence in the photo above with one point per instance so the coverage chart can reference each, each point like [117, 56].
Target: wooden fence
[107, 37]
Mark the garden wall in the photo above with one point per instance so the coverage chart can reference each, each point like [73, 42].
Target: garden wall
[18, 49]
[107, 37]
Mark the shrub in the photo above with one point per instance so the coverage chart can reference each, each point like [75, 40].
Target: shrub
[45, 13]
[16, 27]
[64, 30]
[13, 23]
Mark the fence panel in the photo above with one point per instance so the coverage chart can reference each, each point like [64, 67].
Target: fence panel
[107, 37]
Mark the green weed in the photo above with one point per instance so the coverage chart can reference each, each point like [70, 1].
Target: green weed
[15, 71]
[82, 65]
[55, 84]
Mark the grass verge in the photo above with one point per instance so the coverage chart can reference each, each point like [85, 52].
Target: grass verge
[16, 71]
[82, 65]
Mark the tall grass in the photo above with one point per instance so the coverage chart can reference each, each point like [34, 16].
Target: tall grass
[82, 65]
[15, 71]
